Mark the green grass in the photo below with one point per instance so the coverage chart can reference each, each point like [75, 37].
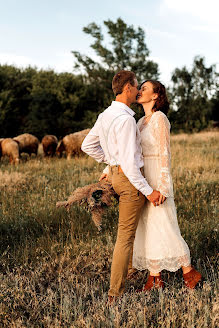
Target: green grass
[55, 266]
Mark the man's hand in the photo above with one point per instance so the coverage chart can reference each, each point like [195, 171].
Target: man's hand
[103, 176]
[154, 197]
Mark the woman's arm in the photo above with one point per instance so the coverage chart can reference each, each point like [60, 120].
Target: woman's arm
[162, 135]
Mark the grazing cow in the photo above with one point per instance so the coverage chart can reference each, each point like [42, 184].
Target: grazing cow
[72, 143]
[27, 143]
[10, 148]
[49, 143]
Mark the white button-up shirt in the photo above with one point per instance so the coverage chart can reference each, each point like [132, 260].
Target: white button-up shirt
[115, 140]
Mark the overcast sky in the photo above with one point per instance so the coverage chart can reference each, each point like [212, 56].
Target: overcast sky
[43, 33]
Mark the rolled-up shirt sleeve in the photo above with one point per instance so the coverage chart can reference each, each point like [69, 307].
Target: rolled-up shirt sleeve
[127, 150]
[91, 145]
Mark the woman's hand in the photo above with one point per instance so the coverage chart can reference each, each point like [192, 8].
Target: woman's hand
[161, 199]
[103, 176]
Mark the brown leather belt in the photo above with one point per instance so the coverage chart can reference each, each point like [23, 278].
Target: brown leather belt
[118, 167]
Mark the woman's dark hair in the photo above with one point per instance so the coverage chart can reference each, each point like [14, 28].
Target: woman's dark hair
[120, 80]
[162, 102]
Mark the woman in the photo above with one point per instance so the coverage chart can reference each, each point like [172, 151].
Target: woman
[158, 243]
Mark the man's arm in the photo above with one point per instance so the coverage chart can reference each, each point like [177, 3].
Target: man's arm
[127, 151]
[91, 144]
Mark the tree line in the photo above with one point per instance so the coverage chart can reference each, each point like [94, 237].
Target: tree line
[44, 102]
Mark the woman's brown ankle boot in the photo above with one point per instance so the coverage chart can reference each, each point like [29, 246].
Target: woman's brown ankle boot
[192, 278]
[153, 281]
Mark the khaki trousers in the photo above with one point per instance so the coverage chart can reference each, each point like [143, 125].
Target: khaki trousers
[131, 202]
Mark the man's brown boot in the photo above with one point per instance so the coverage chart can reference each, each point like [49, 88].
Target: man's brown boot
[192, 278]
[112, 300]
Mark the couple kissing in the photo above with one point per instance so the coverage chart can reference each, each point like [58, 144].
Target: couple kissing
[138, 162]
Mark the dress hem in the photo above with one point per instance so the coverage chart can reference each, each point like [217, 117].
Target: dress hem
[162, 267]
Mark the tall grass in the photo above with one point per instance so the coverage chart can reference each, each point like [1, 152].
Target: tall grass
[55, 266]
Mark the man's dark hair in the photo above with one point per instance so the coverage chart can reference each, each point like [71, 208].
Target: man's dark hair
[120, 80]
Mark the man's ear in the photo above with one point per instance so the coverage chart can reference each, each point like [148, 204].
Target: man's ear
[126, 87]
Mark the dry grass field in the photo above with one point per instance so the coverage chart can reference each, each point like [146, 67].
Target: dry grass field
[55, 266]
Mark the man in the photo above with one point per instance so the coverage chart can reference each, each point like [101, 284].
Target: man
[115, 140]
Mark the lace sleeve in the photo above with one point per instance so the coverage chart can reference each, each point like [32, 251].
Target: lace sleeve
[162, 135]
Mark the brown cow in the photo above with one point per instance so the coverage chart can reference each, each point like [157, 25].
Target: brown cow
[72, 143]
[49, 143]
[27, 143]
[10, 148]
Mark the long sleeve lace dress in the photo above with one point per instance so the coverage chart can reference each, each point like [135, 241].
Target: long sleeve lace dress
[158, 242]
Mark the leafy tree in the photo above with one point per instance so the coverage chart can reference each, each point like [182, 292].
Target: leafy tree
[15, 98]
[56, 104]
[127, 50]
[191, 95]
[215, 108]
[43, 102]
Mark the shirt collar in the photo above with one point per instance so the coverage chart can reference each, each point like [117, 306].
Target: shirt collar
[121, 105]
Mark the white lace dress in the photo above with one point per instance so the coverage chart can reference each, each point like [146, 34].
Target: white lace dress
[158, 242]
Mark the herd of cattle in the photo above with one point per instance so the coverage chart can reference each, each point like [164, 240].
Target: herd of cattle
[27, 143]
